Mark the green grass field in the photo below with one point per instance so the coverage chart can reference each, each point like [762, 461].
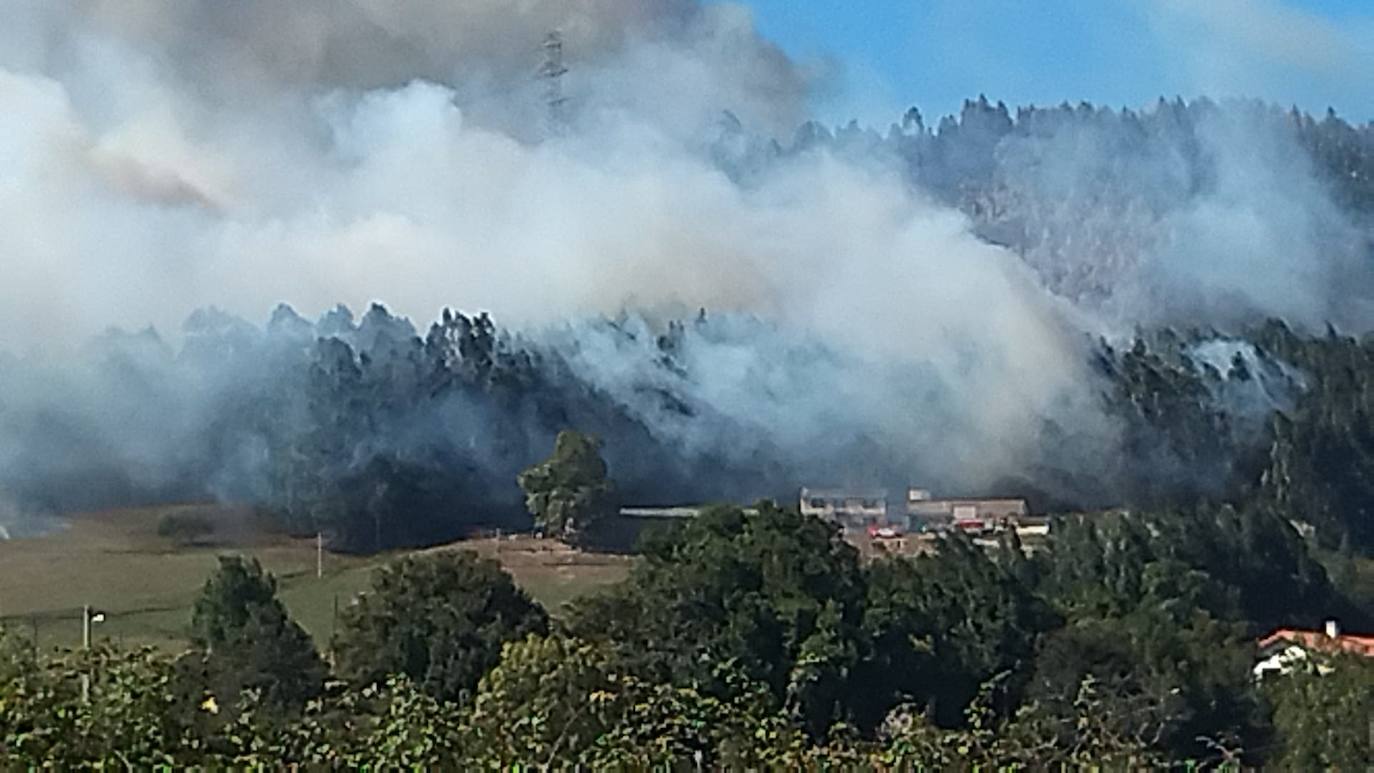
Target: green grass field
[116, 562]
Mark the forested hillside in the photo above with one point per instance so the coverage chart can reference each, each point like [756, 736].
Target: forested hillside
[385, 438]
[281, 282]
[383, 434]
[1107, 205]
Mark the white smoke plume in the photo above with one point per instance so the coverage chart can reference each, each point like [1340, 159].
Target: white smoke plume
[1160, 227]
[161, 156]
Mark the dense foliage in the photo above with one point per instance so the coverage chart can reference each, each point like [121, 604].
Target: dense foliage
[569, 493]
[778, 597]
[1271, 419]
[749, 639]
[439, 619]
[941, 626]
[1320, 461]
[245, 639]
[1325, 721]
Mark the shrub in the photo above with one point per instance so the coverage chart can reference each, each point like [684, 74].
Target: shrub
[185, 527]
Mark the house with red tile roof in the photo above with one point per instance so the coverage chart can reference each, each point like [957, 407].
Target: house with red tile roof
[1285, 648]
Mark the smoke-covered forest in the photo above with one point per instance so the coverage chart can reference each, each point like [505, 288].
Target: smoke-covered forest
[386, 275]
[383, 434]
[635, 227]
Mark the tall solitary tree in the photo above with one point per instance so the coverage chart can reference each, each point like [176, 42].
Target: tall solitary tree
[568, 492]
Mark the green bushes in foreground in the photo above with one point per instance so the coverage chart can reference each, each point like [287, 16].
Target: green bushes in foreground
[740, 641]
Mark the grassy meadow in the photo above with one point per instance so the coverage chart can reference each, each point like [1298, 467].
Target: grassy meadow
[145, 583]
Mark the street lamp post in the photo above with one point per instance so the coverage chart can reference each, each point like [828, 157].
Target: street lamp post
[88, 616]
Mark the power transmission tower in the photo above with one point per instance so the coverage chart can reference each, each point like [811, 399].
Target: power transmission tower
[552, 72]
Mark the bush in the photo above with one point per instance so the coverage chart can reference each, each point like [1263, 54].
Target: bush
[185, 528]
[437, 618]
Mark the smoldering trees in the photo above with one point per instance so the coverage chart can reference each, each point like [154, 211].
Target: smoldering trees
[1319, 466]
[378, 437]
[1194, 409]
[1102, 203]
[395, 430]
[400, 440]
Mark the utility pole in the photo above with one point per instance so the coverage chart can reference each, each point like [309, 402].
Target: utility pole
[88, 616]
[334, 630]
[552, 72]
[86, 645]
[319, 554]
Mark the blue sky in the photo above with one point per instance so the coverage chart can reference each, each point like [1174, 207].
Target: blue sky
[877, 57]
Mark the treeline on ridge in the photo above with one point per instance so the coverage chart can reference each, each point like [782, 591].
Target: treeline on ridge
[380, 437]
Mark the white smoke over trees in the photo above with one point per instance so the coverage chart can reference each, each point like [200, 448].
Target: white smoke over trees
[161, 157]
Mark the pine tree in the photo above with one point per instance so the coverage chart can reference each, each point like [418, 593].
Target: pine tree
[247, 641]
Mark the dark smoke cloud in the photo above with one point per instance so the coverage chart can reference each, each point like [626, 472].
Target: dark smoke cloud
[629, 54]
